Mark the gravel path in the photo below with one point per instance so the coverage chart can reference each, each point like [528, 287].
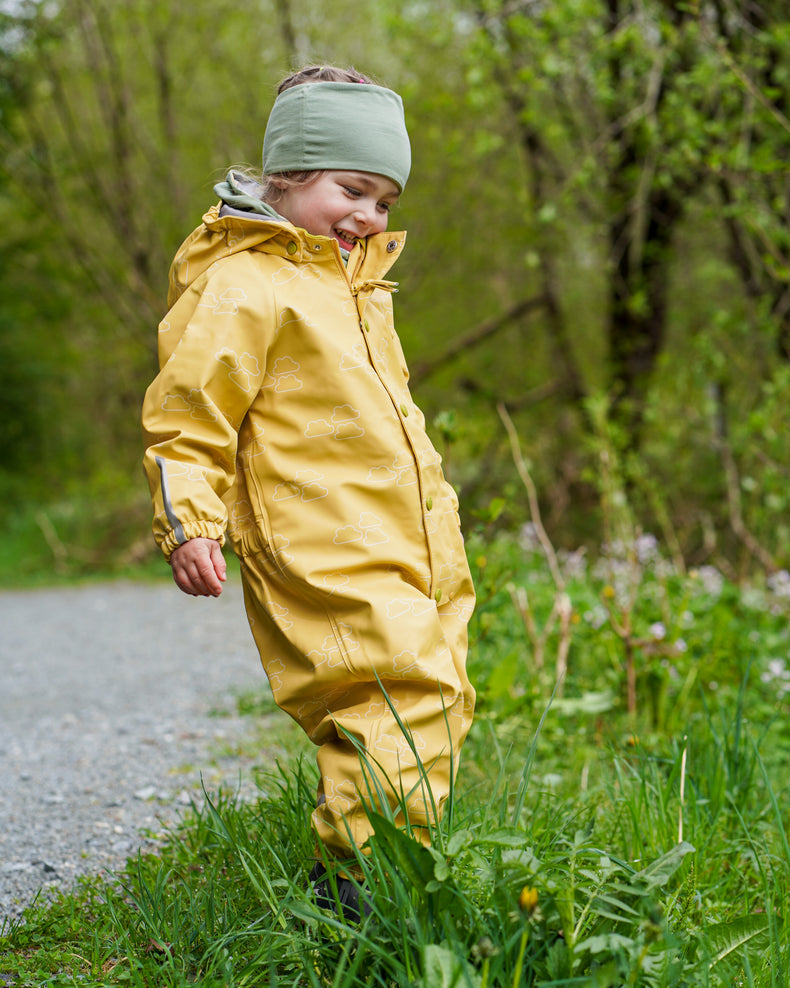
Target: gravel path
[108, 702]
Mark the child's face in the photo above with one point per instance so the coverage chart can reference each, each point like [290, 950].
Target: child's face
[344, 205]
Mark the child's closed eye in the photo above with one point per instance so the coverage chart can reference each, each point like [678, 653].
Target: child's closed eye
[385, 205]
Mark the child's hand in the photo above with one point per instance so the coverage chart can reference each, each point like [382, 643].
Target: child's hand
[199, 567]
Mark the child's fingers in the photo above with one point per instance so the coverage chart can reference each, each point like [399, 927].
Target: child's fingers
[218, 562]
[195, 568]
[204, 576]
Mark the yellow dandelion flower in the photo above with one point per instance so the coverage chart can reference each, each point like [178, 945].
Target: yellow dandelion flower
[528, 899]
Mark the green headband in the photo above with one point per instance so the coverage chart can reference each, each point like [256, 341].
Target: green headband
[338, 125]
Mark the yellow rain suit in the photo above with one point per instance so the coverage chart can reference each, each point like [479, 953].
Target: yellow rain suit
[281, 415]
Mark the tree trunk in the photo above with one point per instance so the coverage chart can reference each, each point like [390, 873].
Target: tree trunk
[638, 305]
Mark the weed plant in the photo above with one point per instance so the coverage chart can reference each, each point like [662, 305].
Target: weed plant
[587, 844]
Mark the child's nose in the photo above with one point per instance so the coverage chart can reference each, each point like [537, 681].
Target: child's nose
[365, 213]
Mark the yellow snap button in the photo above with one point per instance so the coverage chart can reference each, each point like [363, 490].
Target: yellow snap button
[292, 248]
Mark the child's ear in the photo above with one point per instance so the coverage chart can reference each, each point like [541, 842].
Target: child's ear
[278, 183]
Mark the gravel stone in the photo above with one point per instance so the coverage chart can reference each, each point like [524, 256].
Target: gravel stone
[109, 697]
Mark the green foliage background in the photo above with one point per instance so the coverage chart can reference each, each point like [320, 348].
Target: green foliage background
[597, 219]
[597, 255]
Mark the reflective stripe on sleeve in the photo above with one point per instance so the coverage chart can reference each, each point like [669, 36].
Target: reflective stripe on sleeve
[172, 517]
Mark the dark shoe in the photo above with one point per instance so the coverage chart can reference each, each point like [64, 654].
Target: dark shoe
[346, 903]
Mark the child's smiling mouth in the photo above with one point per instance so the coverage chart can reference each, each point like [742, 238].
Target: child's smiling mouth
[347, 240]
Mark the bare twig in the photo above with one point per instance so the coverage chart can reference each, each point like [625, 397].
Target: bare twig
[53, 541]
[521, 602]
[561, 608]
[477, 336]
[287, 31]
[532, 497]
[564, 609]
[749, 85]
[733, 484]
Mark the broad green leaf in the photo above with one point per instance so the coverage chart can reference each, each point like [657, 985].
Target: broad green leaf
[444, 969]
[460, 840]
[603, 977]
[565, 907]
[659, 872]
[505, 837]
[558, 960]
[723, 938]
[414, 861]
[441, 869]
[605, 942]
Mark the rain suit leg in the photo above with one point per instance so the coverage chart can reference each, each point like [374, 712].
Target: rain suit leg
[327, 655]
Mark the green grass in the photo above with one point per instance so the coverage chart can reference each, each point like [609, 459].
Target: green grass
[99, 534]
[586, 845]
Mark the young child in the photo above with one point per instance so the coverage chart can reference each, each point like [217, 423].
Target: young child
[281, 415]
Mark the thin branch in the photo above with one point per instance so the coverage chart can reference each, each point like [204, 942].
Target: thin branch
[562, 608]
[750, 85]
[542, 179]
[532, 497]
[160, 41]
[476, 336]
[287, 30]
[733, 485]
[534, 396]
[137, 303]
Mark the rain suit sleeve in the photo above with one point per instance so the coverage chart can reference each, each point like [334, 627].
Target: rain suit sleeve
[212, 351]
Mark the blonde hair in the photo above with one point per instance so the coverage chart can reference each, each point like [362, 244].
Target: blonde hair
[321, 73]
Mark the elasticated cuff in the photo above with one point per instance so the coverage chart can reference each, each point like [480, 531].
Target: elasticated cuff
[192, 530]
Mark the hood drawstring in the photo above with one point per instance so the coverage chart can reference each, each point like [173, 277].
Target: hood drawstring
[373, 283]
